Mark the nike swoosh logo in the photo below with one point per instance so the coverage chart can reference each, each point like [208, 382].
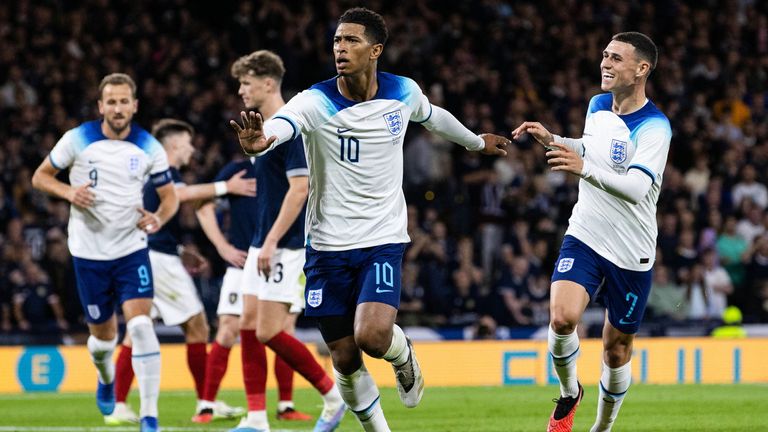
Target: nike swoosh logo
[381, 291]
[144, 289]
[341, 131]
[621, 321]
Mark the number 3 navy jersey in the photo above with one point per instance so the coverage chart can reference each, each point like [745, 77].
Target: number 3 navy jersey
[355, 156]
[273, 169]
[167, 239]
[117, 171]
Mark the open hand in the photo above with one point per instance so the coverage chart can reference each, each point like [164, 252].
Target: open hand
[537, 131]
[237, 185]
[251, 133]
[494, 144]
[562, 158]
[149, 222]
[81, 196]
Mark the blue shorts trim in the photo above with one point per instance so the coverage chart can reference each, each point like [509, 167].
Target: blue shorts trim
[624, 293]
[337, 281]
[102, 285]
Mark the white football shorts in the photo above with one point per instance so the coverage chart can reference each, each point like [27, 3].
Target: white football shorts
[285, 283]
[230, 300]
[176, 299]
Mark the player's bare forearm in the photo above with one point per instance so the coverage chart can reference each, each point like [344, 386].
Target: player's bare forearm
[196, 192]
[44, 179]
[169, 203]
[291, 207]
[206, 215]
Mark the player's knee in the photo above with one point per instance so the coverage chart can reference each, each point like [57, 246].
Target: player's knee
[346, 362]
[226, 335]
[265, 334]
[618, 353]
[374, 341]
[563, 324]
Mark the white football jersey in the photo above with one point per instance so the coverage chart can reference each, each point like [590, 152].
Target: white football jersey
[117, 170]
[619, 231]
[355, 157]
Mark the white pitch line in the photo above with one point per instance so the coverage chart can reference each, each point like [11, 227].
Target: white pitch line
[106, 429]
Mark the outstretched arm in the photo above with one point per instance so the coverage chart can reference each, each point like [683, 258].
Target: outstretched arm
[236, 185]
[546, 138]
[632, 187]
[444, 124]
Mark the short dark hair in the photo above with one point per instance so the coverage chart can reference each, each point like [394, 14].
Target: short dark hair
[375, 27]
[117, 79]
[644, 46]
[166, 127]
[261, 63]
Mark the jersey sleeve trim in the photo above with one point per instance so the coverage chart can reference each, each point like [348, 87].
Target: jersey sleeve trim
[644, 169]
[50, 158]
[161, 178]
[428, 116]
[293, 125]
[297, 172]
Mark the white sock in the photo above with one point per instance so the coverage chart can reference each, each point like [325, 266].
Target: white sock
[284, 405]
[332, 398]
[564, 350]
[362, 397]
[101, 355]
[614, 383]
[146, 362]
[398, 351]
[257, 419]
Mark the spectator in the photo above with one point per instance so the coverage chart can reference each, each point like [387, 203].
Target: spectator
[667, 300]
[750, 187]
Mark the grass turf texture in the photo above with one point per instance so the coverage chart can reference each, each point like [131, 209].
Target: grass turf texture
[486, 409]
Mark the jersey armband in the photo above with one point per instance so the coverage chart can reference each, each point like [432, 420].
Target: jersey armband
[161, 178]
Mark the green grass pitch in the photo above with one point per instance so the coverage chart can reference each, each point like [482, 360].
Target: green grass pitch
[486, 409]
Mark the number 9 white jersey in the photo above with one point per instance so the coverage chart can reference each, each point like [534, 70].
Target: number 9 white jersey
[117, 171]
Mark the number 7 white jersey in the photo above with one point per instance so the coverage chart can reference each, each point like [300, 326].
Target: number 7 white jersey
[355, 158]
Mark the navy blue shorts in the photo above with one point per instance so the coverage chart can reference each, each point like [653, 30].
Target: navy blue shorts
[624, 293]
[102, 283]
[337, 281]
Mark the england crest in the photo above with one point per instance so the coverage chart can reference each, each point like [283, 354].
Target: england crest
[618, 151]
[94, 311]
[134, 164]
[564, 265]
[315, 297]
[394, 121]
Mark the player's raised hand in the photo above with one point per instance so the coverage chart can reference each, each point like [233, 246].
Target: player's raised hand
[537, 131]
[251, 133]
[149, 222]
[494, 144]
[81, 196]
[562, 158]
[233, 255]
[238, 185]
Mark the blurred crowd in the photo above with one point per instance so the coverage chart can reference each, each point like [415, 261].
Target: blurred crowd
[485, 232]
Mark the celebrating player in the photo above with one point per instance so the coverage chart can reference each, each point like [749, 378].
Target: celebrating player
[353, 127]
[610, 245]
[176, 300]
[109, 160]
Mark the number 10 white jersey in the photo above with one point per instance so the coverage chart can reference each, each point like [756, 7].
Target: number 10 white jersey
[355, 157]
